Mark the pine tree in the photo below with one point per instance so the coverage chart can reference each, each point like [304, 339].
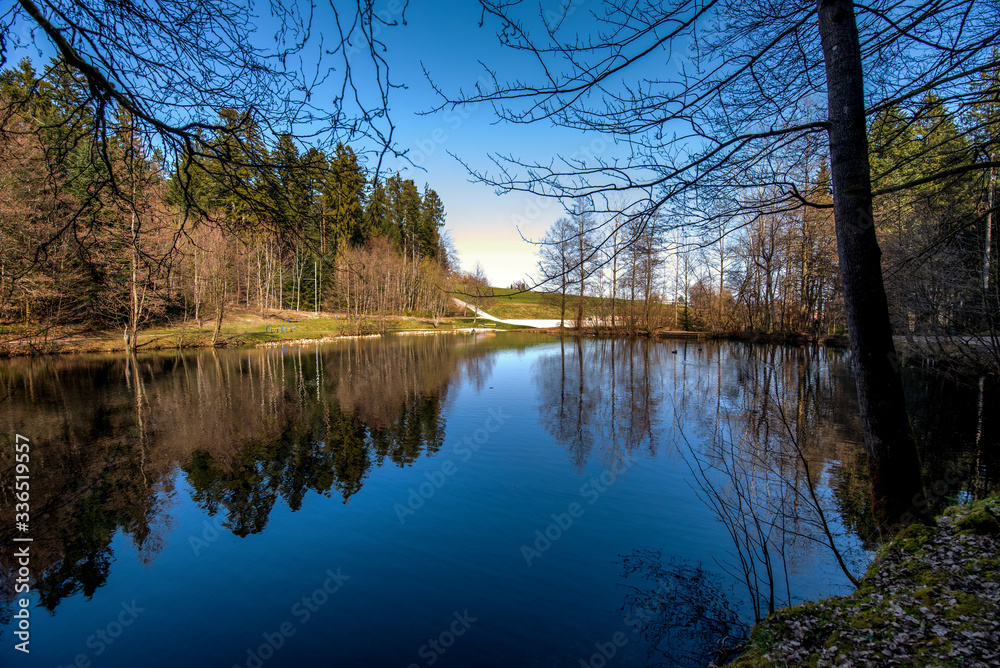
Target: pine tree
[343, 196]
[431, 221]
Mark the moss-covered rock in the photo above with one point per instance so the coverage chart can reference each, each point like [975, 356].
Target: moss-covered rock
[979, 521]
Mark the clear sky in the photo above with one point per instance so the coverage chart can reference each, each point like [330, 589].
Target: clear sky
[445, 38]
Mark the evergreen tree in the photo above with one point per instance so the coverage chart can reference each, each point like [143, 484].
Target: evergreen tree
[431, 221]
[343, 196]
[376, 210]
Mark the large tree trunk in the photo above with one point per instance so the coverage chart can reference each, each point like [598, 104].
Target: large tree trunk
[893, 464]
[991, 185]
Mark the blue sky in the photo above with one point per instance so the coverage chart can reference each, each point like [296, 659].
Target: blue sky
[445, 38]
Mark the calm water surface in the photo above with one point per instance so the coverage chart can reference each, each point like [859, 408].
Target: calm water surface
[508, 500]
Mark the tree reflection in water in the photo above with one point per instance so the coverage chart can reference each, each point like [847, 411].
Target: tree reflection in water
[600, 394]
[771, 437]
[245, 428]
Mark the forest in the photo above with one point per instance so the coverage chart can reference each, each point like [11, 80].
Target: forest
[774, 270]
[96, 232]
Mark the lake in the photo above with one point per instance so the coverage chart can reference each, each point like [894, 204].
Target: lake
[456, 500]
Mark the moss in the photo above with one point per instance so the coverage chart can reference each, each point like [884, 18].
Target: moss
[762, 639]
[807, 608]
[928, 578]
[872, 618]
[925, 595]
[912, 538]
[930, 651]
[967, 606]
[862, 620]
[980, 521]
[987, 563]
[906, 542]
[987, 567]
[952, 511]
[750, 660]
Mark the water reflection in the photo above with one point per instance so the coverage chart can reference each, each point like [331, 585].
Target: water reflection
[684, 611]
[613, 395]
[599, 395]
[246, 428]
[774, 448]
[767, 435]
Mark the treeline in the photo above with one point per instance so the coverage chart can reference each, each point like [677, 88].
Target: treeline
[770, 272]
[771, 269]
[103, 233]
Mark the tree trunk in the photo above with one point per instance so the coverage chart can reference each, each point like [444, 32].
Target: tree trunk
[562, 292]
[988, 241]
[647, 288]
[219, 315]
[893, 463]
[197, 292]
[677, 281]
[614, 285]
[133, 316]
[722, 272]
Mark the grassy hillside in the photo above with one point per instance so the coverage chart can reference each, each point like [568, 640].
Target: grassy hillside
[509, 304]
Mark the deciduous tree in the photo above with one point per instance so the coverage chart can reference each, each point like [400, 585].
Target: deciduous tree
[744, 83]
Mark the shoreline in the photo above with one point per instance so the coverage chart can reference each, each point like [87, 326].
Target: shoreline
[245, 331]
[70, 342]
[930, 597]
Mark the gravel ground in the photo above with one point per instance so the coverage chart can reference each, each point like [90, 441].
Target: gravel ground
[931, 598]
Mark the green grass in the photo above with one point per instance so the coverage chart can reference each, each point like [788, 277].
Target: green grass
[243, 329]
[247, 328]
[239, 329]
[481, 323]
[512, 304]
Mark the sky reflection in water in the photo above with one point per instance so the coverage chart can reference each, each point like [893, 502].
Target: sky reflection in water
[448, 500]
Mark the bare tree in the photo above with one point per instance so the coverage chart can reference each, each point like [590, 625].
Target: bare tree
[35, 204]
[582, 251]
[554, 262]
[747, 85]
[171, 67]
[478, 291]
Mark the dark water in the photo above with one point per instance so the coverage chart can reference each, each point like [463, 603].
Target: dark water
[509, 500]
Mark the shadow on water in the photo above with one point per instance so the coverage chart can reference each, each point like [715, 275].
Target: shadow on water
[683, 611]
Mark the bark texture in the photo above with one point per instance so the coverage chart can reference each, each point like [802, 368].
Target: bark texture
[894, 466]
